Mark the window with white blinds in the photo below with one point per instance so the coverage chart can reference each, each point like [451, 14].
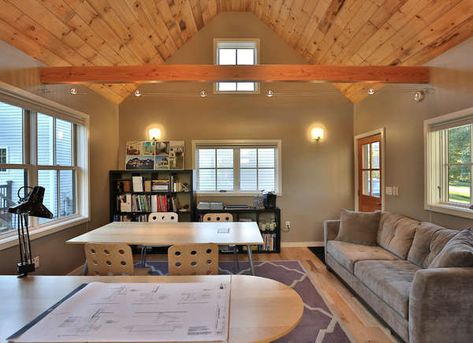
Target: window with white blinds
[243, 168]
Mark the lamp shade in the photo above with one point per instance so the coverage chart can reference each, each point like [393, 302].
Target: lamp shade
[33, 205]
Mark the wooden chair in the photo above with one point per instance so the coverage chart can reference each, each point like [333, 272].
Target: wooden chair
[193, 259]
[111, 259]
[224, 217]
[158, 217]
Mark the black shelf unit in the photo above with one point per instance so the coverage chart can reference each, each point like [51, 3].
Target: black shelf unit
[184, 197]
[261, 217]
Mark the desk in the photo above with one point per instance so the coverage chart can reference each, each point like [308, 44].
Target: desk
[261, 309]
[163, 234]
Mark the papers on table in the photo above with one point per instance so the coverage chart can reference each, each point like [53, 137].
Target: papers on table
[138, 312]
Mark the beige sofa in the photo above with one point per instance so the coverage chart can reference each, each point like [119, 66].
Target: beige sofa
[419, 303]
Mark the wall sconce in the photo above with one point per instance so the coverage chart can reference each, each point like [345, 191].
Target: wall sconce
[154, 134]
[317, 134]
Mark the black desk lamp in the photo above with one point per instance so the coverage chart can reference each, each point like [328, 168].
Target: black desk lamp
[30, 205]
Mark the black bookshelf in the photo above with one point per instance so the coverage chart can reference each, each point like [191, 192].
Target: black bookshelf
[262, 217]
[186, 199]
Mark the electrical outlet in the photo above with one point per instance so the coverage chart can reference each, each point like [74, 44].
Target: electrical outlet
[288, 225]
[389, 190]
[396, 191]
[36, 262]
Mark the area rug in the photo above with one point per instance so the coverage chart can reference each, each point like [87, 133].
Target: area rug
[318, 323]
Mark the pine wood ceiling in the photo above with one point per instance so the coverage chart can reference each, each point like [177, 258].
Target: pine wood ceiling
[134, 32]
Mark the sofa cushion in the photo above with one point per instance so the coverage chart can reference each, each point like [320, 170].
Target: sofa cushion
[458, 252]
[429, 239]
[389, 280]
[396, 233]
[347, 254]
[358, 227]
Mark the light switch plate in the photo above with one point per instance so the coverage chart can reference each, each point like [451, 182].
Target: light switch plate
[389, 190]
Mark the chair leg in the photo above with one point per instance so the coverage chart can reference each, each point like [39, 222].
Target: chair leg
[236, 262]
[143, 255]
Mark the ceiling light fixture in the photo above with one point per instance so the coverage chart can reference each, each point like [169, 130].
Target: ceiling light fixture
[419, 96]
[137, 93]
[73, 91]
[269, 93]
[203, 94]
[371, 91]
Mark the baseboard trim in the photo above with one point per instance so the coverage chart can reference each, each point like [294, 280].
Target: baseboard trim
[302, 244]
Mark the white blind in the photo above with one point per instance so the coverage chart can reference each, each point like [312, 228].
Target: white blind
[448, 124]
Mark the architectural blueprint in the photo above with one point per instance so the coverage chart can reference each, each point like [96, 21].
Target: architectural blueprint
[138, 312]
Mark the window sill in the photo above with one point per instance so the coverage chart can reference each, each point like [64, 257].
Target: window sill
[452, 210]
[44, 230]
[230, 194]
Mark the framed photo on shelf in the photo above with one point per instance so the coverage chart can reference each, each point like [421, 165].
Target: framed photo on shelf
[157, 155]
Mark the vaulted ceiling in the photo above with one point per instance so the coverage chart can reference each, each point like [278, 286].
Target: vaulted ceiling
[134, 32]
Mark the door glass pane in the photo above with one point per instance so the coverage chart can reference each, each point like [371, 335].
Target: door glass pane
[459, 145]
[375, 155]
[224, 158]
[48, 179]
[365, 152]
[63, 143]
[246, 56]
[66, 193]
[266, 180]
[224, 179]
[459, 184]
[45, 139]
[11, 180]
[206, 158]
[248, 158]
[366, 184]
[227, 56]
[248, 180]
[376, 183]
[11, 134]
[207, 179]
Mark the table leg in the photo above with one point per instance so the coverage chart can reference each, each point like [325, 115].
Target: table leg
[85, 269]
[250, 258]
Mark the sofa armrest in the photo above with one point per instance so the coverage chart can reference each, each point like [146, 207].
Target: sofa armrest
[331, 228]
[441, 305]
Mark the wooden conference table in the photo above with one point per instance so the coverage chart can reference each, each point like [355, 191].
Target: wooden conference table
[261, 310]
[164, 234]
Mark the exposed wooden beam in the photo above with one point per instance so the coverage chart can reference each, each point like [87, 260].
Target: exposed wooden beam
[204, 72]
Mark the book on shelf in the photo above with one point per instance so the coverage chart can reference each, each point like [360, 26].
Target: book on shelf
[160, 185]
[268, 241]
[124, 203]
[147, 185]
[147, 203]
[124, 186]
[137, 183]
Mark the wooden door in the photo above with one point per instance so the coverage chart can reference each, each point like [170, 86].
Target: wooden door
[370, 173]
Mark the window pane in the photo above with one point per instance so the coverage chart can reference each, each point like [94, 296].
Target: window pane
[11, 180]
[266, 180]
[224, 158]
[207, 179]
[366, 184]
[45, 139]
[226, 56]
[206, 158]
[248, 180]
[63, 143]
[266, 158]
[226, 86]
[375, 155]
[248, 158]
[376, 183]
[246, 86]
[11, 133]
[365, 150]
[66, 193]
[246, 56]
[225, 179]
[459, 183]
[459, 145]
[48, 179]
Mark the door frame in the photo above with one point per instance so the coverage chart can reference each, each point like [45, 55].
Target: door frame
[382, 132]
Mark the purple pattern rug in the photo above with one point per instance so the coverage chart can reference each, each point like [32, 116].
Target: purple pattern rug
[318, 324]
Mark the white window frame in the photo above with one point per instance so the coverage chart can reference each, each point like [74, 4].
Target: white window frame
[236, 144]
[4, 170]
[236, 42]
[33, 104]
[434, 166]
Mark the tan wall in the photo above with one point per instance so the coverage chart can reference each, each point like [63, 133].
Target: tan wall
[394, 108]
[316, 178]
[16, 68]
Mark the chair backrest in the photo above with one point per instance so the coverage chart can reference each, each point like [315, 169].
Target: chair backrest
[218, 217]
[163, 217]
[109, 259]
[193, 259]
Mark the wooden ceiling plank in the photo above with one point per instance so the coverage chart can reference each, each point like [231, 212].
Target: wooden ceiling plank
[150, 9]
[293, 18]
[173, 28]
[197, 14]
[106, 92]
[311, 28]
[209, 9]
[182, 13]
[302, 22]
[280, 13]
[332, 12]
[276, 72]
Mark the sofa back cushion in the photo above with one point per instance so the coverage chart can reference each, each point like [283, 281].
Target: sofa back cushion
[396, 233]
[429, 240]
[358, 227]
[458, 252]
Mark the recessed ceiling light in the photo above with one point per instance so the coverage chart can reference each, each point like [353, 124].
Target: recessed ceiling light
[371, 91]
[203, 94]
[73, 91]
[137, 93]
[269, 93]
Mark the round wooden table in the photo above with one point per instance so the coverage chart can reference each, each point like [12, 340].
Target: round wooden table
[261, 310]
